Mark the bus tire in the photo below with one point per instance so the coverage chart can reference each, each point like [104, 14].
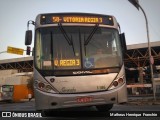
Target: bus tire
[48, 113]
[9, 101]
[104, 108]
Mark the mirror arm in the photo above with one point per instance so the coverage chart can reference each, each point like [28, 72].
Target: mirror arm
[119, 28]
[30, 22]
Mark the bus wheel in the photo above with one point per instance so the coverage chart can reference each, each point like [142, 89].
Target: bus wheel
[47, 113]
[104, 108]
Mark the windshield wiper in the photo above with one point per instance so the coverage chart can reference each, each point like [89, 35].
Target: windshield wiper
[70, 41]
[65, 34]
[91, 34]
[73, 46]
[51, 49]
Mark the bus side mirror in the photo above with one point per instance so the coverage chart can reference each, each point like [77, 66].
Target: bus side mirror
[123, 41]
[28, 37]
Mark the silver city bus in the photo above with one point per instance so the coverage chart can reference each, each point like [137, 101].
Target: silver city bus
[78, 61]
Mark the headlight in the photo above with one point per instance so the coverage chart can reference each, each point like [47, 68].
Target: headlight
[117, 82]
[43, 86]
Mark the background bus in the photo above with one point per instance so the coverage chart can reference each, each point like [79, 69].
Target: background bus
[16, 87]
[78, 61]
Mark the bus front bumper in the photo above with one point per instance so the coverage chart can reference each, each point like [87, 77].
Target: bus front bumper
[45, 101]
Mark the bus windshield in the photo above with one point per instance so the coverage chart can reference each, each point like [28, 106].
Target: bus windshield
[75, 47]
[7, 88]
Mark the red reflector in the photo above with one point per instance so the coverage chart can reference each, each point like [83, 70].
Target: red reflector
[84, 99]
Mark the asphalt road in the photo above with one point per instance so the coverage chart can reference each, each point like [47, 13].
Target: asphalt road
[92, 111]
[30, 106]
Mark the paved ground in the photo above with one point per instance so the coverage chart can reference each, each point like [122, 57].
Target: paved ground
[134, 104]
[143, 100]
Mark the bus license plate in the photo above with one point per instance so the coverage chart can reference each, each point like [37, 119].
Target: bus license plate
[84, 99]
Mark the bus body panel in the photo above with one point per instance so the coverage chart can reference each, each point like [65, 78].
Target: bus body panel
[44, 100]
[55, 101]
[21, 92]
[77, 84]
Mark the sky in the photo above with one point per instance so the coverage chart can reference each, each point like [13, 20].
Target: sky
[14, 15]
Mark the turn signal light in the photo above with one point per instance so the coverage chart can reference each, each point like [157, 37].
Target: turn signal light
[120, 80]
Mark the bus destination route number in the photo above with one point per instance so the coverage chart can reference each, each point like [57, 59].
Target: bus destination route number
[90, 19]
[77, 19]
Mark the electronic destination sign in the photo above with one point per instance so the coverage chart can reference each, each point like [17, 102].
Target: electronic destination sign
[76, 18]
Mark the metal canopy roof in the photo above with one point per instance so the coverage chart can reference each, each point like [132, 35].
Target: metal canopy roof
[137, 55]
